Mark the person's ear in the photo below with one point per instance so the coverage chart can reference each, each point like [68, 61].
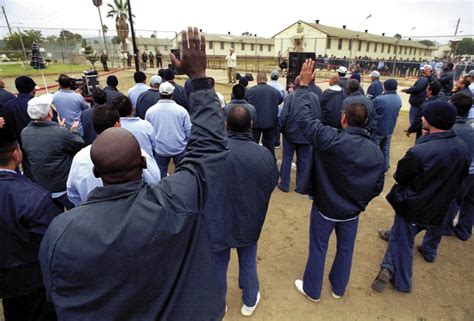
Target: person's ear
[343, 120]
[117, 124]
[143, 162]
[251, 124]
[225, 124]
[95, 172]
[17, 156]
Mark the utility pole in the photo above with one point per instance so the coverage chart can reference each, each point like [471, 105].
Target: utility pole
[455, 44]
[102, 29]
[6, 19]
[22, 44]
[134, 41]
[457, 27]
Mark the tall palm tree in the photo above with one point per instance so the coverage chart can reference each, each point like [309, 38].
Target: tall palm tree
[119, 11]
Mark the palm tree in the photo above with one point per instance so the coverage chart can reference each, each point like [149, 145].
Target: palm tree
[119, 11]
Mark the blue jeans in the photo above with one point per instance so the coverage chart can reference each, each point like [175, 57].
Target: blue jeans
[303, 158]
[398, 258]
[384, 144]
[248, 278]
[164, 161]
[320, 231]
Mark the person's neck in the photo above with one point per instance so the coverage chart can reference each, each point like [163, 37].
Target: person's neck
[437, 130]
[10, 167]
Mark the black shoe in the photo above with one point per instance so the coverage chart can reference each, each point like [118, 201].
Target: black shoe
[282, 189]
[381, 281]
[420, 249]
[384, 235]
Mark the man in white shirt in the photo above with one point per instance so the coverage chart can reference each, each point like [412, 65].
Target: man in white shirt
[231, 59]
[140, 87]
[172, 126]
[81, 180]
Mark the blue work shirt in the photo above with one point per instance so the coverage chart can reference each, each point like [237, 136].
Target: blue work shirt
[69, 106]
[375, 89]
[172, 127]
[81, 180]
[135, 91]
[142, 130]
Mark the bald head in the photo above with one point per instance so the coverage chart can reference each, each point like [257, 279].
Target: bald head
[117, 157]
[261, 77]
[239, 119]
[2, 84]
[334, 80]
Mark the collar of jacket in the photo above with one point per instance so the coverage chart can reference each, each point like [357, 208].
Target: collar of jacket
[439, 135]
[111, 192]
[41, 123]
[241, 136]
[356, 93]
[390, 92]
[238, 101]
[461, 120]
[262, 83]
[9, 175]
[24, 95]
[111, 88]
[357, 131]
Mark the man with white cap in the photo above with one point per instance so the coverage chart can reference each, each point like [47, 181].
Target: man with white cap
[149, 97]
[172, 126]
[375, 88]
[342, 71]
[49, 149]
[418, 92]
[231, 59]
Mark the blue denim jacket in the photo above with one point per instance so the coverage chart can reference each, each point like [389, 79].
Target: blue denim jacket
[387, 107]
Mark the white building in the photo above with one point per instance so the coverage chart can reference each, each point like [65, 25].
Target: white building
[342, 42]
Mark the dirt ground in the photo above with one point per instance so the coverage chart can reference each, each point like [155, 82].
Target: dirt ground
[441, 291]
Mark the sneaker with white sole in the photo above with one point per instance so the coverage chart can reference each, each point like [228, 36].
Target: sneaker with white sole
[248, 311]
[299, 287]
[335, 296]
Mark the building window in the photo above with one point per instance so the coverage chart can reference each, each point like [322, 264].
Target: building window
[406, 48]
[350, 44]
[242, 46]
[375, 47]
[252, 47]
[261, 47]
[359, 48]
[232, 45]
[400, 50]
[269, 48]
[328, 43]
[383, 47]
[368, 46]
[339, 45]
[211, 45]
[222, 45]
[394, 49]
[411, 50]
[388, 49]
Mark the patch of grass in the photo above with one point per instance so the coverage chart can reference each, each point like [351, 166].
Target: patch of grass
[13, 70]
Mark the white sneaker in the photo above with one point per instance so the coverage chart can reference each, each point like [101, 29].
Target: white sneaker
[335, 296]
[248, 311]
[299, 287]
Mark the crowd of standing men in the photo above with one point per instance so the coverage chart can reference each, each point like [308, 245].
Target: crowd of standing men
[94, 227]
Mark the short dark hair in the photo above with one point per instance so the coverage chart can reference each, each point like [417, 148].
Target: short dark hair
[161, 73]
[238, 91]
[435, 87]
[112, 81]
[450, 65]
[104, 116]
[123, 105]
[353, 85]
[212, 82]
[466, 82]
[8, 144]
[356, 114]
[462, 102]
[139, 76]
[99, 96]
[168, 74]
[239, 119]
[64, 81]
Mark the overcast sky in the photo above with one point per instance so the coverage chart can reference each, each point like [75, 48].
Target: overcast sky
[265, 18]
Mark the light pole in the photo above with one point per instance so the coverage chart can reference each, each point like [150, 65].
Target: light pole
[366, 18]
[98, 3]
[134, 41]
[22, 44]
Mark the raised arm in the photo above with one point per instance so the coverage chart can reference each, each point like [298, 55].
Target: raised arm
[318, 135]
[188, 187]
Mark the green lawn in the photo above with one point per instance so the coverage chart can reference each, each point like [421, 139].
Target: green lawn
[18, 69]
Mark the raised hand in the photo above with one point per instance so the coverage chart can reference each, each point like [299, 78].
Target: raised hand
[2, 122]
[74, 125]
[307, 73]
[193, 59]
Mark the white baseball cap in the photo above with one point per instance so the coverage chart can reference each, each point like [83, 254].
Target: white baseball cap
[342, 70]
[156, 80]
[166, 88]
[38, 107]
[375, 74]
